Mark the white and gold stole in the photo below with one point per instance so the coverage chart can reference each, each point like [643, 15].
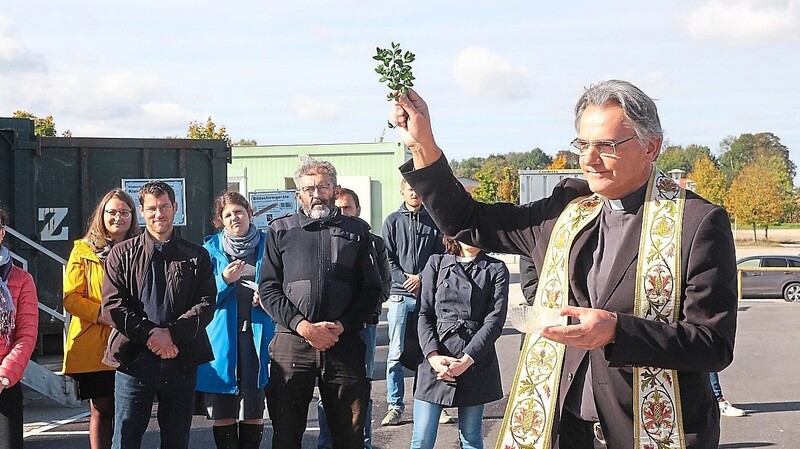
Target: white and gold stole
[529, 417]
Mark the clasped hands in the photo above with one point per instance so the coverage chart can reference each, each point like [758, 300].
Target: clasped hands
[448, 368]
[321, 336]
[160, 343]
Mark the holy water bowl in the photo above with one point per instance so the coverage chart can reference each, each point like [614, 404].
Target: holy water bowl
[532, 319]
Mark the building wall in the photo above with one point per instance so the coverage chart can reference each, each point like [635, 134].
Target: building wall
[272, 167]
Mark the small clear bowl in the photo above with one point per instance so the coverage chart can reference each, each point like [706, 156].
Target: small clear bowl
[533, 319]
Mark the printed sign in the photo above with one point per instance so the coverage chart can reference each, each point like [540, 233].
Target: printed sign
[132, 186]
[270, 205]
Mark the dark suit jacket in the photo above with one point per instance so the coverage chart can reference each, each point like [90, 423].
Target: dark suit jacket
[699, 342]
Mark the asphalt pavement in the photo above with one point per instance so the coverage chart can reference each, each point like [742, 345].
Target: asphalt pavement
[761, 380]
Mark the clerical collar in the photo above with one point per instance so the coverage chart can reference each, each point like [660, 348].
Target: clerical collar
[630, 203]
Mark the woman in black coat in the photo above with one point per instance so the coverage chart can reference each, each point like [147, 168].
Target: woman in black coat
[463, 306]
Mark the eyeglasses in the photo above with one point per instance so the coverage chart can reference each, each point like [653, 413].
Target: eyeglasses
[323, 189]
[603, 147]
[161, 208]
[121, 213]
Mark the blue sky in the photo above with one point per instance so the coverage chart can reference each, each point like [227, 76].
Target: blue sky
[498, 76]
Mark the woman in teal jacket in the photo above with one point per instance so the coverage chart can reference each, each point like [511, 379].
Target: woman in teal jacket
[232, 385]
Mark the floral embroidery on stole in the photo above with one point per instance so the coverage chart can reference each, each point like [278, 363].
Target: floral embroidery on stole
[529, 416]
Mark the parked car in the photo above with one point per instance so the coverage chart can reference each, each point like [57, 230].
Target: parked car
[771, 284]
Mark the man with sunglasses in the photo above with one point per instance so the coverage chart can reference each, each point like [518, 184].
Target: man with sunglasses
[643, 272]
[320, 284]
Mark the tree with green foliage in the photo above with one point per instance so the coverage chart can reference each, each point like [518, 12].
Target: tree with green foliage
[467, 168]
[43, 127]
[486, 192]
[208, 130]
[756, 196]
[677, 157]
[710, 182]
[530, 160]
[740, 151]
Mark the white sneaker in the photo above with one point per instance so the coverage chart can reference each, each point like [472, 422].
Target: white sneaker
[445, 417]
[727, 409]
[392, 417]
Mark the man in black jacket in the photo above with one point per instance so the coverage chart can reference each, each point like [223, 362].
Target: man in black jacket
[320, 284]
[158, 294]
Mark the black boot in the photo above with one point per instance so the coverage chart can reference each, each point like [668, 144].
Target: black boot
[250, 435]
[226, 437]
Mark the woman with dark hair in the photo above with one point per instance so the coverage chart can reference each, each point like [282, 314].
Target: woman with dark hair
[232, 385]
[463, 305]
[112, 222]
[19, 323]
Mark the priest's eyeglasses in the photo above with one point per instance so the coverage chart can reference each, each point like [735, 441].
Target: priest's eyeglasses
[603, 147]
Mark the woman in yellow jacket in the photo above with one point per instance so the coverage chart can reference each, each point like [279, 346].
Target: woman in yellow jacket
[111, 223]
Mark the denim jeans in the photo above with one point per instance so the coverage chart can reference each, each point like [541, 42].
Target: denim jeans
[399, 307]
[135, 388]
[715, 386]
[369, 335]
[426, 424]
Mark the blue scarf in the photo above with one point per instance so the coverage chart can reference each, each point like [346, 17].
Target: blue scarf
[7, 309]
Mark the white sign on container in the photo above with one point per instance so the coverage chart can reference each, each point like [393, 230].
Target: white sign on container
[270, 205]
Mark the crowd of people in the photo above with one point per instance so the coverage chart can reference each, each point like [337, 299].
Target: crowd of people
[255, 320]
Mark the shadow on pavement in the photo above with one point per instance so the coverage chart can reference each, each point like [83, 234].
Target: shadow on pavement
[744, 445]
[769, 407]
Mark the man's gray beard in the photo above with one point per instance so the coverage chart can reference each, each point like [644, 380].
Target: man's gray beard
[317, 211]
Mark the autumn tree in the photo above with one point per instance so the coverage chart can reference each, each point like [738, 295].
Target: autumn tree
[565, 160]
[486, 192]
[44, 127]
[710, 182]
[208, 130]
[756, 196]
[559, 163]
[508, 186]
[740, 151]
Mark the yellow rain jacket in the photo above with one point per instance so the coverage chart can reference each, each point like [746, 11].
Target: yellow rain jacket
[83, 286]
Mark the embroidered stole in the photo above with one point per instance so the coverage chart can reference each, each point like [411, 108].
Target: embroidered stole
[529, 417]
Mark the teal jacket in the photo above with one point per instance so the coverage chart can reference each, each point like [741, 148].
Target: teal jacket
[219, 375]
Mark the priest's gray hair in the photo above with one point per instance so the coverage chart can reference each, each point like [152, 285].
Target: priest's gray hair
[639, 109]
[315, 167]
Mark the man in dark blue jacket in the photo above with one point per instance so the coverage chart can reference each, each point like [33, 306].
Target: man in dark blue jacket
[320, 284]
[411, 237]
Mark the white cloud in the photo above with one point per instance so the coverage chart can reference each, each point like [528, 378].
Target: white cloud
[14, 54]
[745, 22]
[487, 75]
[312, 109]
[107, 95]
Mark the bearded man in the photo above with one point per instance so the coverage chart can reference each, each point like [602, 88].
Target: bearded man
[320, 284]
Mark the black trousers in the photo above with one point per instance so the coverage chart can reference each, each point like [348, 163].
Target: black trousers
[575, 433]
[11, 417]
[296, 367]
